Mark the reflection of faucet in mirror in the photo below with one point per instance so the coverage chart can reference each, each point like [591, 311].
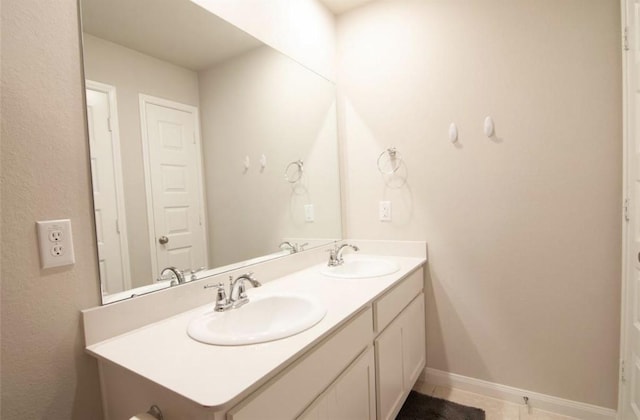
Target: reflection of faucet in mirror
[335, 255]
[292, 247]
[179, 277]
[194, 273]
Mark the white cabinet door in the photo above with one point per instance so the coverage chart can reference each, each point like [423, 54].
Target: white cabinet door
[351, 396]
[414, 352]
[400, 357]
[298, 386]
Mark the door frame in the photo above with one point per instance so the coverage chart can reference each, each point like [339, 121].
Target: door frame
[627, 205]
[153, 100]
[114, 125]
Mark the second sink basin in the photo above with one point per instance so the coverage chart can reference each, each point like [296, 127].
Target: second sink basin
[264, 318]
[361, 267]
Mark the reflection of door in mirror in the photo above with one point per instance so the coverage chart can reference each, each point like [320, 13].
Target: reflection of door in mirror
[106, 170]
[172, 157]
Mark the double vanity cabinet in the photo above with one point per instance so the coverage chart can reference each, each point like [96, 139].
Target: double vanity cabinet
[359, 362]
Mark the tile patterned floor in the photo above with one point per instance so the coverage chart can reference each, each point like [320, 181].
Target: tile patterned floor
[494, 409]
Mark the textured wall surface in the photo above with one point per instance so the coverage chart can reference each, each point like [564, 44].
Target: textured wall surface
[45, 175]
[524, 230]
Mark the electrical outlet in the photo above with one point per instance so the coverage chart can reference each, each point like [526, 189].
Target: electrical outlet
[57, 250]
[56, 245]
[55, 235]
[385, 211]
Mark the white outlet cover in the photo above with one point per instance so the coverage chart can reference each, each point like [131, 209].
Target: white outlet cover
[55, 243]
[384, 210]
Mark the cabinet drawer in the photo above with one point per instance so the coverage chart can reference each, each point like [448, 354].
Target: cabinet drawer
[289, 393]
[394, 301]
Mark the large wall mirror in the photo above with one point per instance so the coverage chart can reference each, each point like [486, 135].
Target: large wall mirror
[208, 148]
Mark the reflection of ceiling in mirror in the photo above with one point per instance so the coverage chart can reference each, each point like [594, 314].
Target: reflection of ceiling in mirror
[342, 6]
[161, 31]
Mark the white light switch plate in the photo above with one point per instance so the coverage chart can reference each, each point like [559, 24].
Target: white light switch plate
[309, 213]
[56, 243]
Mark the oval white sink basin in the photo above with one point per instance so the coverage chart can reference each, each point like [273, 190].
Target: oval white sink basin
[357, 268]
[264, 318]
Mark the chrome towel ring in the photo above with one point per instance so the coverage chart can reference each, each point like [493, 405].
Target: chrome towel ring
[389, 161]
[293, 172]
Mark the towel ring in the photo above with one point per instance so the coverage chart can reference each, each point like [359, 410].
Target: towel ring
[293, 172]
[389, 161]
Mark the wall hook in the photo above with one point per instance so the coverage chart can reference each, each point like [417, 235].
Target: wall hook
[453, 133]
[489, 128]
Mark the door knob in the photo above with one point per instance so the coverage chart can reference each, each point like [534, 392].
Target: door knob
[163, 239]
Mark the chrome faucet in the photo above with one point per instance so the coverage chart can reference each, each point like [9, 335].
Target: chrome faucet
[241, 295]
[179, 277]
[292, 247]
[335, 255]
[237, 286]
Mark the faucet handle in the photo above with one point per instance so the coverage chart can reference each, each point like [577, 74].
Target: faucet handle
[222, 302]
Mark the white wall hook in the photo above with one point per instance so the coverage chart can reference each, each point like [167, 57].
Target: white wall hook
[453, 133]
[246, 163]
[489, 128]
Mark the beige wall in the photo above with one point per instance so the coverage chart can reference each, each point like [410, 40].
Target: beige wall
[523, 229]
[302, 29]
[133, 73]
[45, 175]
[262, 102]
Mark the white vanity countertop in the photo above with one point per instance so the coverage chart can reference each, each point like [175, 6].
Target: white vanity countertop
[219, 376]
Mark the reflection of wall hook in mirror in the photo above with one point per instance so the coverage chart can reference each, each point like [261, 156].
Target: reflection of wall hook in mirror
[246, 163]
[263, 162]
[293, 172]
[389, 161]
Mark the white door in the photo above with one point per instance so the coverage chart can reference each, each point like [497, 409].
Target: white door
[630, 350]
[106, 171]
[175, 201]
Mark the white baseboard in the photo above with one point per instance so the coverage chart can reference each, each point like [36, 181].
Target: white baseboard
[557, 405]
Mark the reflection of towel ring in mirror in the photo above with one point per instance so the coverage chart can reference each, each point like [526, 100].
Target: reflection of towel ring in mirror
[293, 172]
[389, 161]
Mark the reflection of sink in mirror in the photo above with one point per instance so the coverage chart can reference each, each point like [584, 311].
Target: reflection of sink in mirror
[264, 318]
[357, 267]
